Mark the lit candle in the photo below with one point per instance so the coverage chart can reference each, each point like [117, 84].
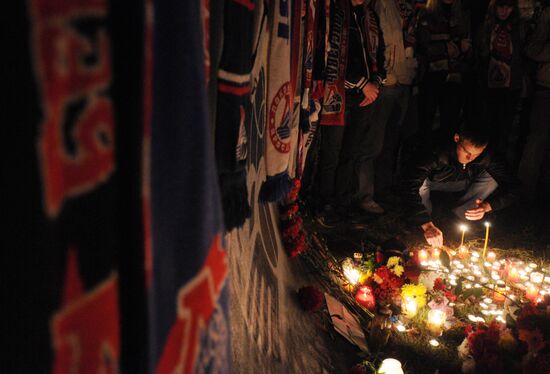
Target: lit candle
[365, 297]
[487, 225]
[532, 293]
[422, 255]
[410, 307]
[435, 253]
[390, 366]
[463, 251]
[352, 274]
[491, 256]
[436, 319]
[500, 292]
[537, 277]
[463, 228]
[513, 274]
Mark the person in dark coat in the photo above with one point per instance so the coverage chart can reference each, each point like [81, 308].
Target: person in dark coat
[462, 165]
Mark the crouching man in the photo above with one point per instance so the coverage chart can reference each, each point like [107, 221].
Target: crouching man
[462, 164]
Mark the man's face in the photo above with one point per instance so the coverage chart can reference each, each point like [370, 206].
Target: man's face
[465, 151]
[503, 12]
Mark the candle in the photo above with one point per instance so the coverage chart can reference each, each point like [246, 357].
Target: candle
[351, 273]
[491, 256]
[500, 292]
[436, 319]
[390, 366]
[463, 252]
[435, 253]
[422, 255]
[410, 307]
[487, 225]
[513, 274]
[537, 277]
[365, 297]
[463, 228]
[434, 343]
[532, 293]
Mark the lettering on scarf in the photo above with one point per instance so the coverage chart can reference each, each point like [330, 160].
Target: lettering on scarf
[72, 62]
[279, 119]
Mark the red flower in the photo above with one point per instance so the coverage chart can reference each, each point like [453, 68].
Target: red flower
[450, 296]
[439, 284]
[310, 298]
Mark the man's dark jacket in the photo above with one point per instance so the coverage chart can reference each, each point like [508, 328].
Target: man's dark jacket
[440, 164]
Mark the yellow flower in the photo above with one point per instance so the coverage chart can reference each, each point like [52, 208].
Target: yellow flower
[416, 291]
[393, 261]
[398, 270]
[365, 276]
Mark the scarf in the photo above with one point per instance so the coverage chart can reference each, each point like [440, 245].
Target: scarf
[232, 106]
[280, 104]
[333, 110]
[500, 56]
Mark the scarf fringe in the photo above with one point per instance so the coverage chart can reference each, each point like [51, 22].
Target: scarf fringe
[275, 188]
[234, 199]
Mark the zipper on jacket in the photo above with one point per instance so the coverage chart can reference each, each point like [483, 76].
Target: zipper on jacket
[362, 45]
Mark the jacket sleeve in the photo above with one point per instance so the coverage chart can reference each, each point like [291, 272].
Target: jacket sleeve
[415, 175]
[538, 47]
[380, 73]
[508, 185]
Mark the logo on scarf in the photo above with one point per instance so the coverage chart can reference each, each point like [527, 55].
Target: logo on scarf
[72, 59]
[279, 119]
[85, 333]
[197, 301]
[334, 102]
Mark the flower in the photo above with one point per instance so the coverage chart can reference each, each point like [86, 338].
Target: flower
[393, 261]
[398, 270]
[310, 298]
[439, 284]
[416, 291]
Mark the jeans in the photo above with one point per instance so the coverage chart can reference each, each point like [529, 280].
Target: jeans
[391, 111]
[436, 92]
[481, 188]
[535, 163]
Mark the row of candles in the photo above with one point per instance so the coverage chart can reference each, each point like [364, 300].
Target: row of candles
[476, 271]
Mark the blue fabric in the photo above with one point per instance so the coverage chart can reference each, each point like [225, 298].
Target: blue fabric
[185, 200]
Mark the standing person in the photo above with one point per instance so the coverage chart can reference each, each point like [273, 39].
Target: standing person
[444, 53]
[354, 73]
[397, 19]
[501, 69]
[534, 169]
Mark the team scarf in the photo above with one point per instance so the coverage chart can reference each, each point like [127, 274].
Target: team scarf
[333, 111]
[500, 56]
[233, 105]
[280, 103]
[312, 90]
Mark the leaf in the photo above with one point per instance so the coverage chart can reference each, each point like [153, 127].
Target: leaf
[445, 259]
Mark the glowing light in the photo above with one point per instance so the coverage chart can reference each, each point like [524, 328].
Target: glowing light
[400, 328]
[434, 343]
[491, 256]
[390, 366]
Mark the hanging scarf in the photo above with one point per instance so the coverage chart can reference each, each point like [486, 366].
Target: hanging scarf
[280, 100]
[232, 104]
[500, 56]
[334, 96]
[333, 111]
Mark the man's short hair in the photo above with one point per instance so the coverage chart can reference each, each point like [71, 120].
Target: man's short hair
[475, 132]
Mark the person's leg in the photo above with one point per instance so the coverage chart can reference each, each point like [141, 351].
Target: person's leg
[331, 143]
[428, 186]
[450, 108]
[346, 180]
[430, 93]
[537, 142]
[369, 147]
[482, 187]
[397, 103]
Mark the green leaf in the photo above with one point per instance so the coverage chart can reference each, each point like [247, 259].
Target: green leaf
[445, 259]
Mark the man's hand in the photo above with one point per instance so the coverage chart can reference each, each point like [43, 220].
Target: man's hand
[477, 213]
[370, 91]
[433, 235]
